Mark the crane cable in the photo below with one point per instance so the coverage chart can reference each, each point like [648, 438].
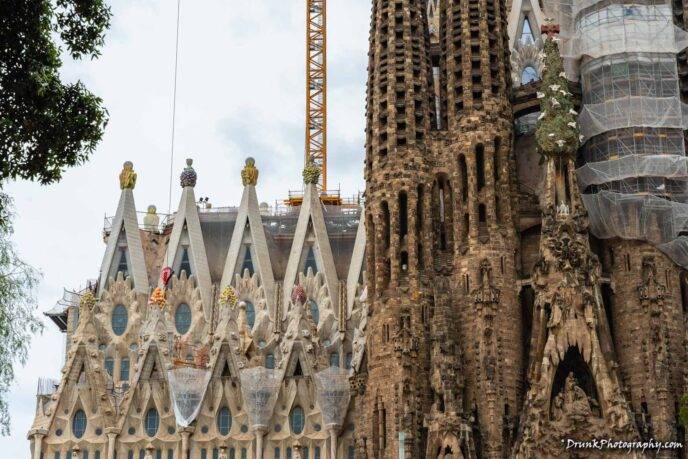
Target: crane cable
[174, 107]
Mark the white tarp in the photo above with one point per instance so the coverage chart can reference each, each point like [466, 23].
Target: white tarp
[187, 387]
[333, 392]
[259, 389]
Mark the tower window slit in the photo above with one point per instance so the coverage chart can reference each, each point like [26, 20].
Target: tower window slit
[480, 165]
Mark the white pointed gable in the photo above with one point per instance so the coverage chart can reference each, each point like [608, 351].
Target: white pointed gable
[520, 10]
[249, 230]
[356, 265]
[125, 228]
[187, 230]
[311, 212]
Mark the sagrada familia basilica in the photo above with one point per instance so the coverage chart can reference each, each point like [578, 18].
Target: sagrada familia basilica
[515, 278]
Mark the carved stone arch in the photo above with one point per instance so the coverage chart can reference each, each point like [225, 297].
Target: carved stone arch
[573, 373]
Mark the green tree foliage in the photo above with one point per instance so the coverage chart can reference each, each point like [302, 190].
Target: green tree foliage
[557, 132]
[17, 305]
[47, 125]
[683, 411]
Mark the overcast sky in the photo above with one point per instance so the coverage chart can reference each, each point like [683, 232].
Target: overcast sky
[240, 93]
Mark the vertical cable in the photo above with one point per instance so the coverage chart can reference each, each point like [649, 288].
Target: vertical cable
[174, 107]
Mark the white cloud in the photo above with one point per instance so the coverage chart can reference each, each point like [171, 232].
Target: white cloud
[240, 93]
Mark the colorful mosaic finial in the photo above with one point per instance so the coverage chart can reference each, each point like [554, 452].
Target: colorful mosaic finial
[228, 297]
[298, 295]
[311, 173]
[189, 176]
[158, 297]
[249, 174]
[88, 300]
[127, 178]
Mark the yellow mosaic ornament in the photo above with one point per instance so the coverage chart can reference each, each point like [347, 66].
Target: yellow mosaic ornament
[88, 300]
[228, 297]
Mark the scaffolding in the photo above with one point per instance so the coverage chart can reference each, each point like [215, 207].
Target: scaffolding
[259, 389]
[633, 171]
[333, 392]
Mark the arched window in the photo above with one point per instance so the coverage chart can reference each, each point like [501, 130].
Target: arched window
[270, 361]
[224, 421]
[79, 424]
[315, 312]
[403, 214]
[109, 365]
[250, 314]
[297, 420]
[152, 422]
[463, 168]
[529, 75]
[182, 318]
[124, 369]
[480, 165]
[496, 164]
[334, 359]
[386, 223]
[120, 318]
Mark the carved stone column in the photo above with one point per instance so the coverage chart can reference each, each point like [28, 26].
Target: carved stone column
[38, 443]
[186, 433]
[112, 438]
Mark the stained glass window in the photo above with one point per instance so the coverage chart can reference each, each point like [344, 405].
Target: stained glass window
[79, 424]
[120, 318]
[224, 420]
[152, 422]
[297, 420]
[182, 318]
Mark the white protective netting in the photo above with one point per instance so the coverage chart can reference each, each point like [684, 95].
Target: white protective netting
[187, 387]
[334, 393]
[635, 173]
[259, 389]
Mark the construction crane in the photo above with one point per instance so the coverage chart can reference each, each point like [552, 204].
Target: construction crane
[316, 87]
[316, 99]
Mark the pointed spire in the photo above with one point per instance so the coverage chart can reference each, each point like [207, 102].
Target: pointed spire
[189, 176]
[126, 257]
[557, 132]
[248, 244]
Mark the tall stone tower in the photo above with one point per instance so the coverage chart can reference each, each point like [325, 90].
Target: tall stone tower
[400, 118]
[441, 238]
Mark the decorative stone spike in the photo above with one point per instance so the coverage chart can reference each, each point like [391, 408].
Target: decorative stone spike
[127, 178]
[189, 176]
[249, 174]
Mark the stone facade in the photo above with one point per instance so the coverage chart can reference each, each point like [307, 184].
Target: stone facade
[466, 311]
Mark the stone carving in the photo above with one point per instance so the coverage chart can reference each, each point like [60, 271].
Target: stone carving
[151, 221]
[127, 178]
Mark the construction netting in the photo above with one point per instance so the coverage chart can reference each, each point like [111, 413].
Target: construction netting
[333, 392]
[634, 170]
[187, 387]
[259, 389]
